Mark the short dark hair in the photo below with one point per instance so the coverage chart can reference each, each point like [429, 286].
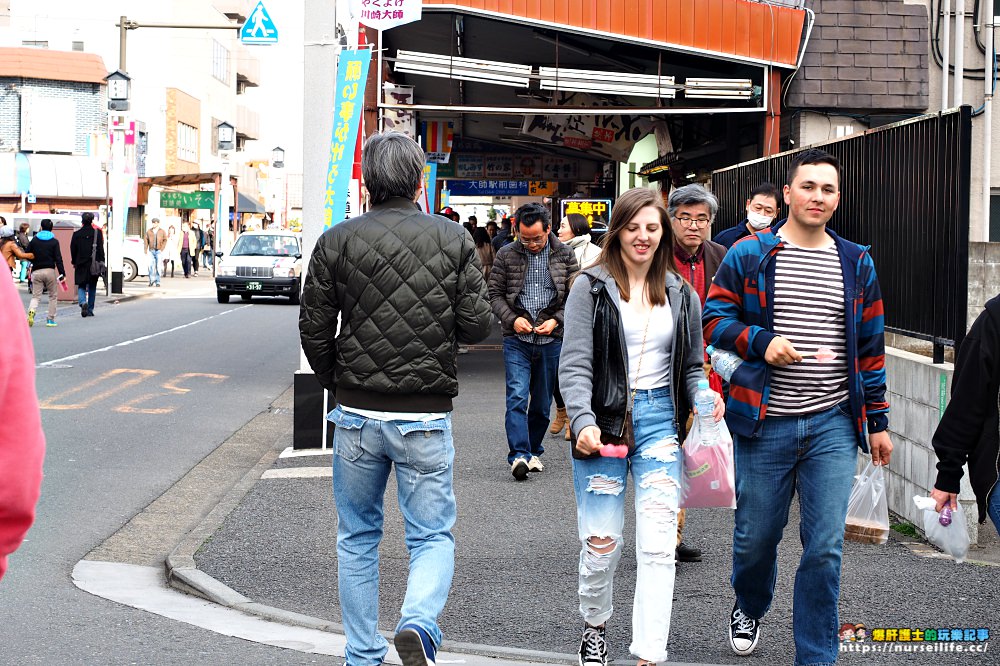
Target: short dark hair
[530, 214]
[87, 218]
[766, 189]
[812, 156]
[505, 222]
[46, 224]
[578, 224]
[392, 165]
[473, 219]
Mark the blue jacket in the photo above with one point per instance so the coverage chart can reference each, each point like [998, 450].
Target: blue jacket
[739, 317]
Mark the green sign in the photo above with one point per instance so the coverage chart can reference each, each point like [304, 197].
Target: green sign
[942, 395]
[188, 200]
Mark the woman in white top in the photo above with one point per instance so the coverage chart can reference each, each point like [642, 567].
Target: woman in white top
[631, 359]
[574, 230]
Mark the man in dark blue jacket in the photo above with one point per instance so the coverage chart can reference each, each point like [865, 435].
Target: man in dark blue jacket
[762, 209]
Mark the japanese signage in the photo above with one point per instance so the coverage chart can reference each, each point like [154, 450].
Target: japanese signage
[427, 197]
[595, 210]
[188, 200]
[500, 188]
[349, 96]
[399, 120]
[436, 139]
[385, 14]
[468, 166]
[610, 136]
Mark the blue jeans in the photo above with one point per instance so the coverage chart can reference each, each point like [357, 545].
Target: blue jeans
[600, 500]
[815, 455]
[531, 374]
[154, 266]
[423, 453]
[993, 507]
[87, 295]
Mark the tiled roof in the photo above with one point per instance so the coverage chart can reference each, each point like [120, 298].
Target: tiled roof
[33, 63]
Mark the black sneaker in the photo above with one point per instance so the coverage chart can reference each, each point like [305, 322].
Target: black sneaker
[744, 632]
[686, 553]
[593, 647]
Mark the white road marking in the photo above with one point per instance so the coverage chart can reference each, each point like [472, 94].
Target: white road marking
[289, 452]
[298, 473]
[143, 338]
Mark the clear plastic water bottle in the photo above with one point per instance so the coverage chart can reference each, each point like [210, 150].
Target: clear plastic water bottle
[704, 402]
[723, 362]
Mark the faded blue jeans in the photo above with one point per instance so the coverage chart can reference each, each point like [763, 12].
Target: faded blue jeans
[364, 452]
[814, 455]
[154, 266]
[600, 509]
[531, 376]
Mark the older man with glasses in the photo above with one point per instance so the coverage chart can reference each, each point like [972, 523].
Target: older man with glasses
[528, 286]
[692, 210]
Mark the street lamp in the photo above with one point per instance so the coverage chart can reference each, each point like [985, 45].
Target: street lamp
[227, 136]
[118, 90]
[278, 156]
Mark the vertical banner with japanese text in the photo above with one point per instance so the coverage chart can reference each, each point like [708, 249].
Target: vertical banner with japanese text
[349, 102]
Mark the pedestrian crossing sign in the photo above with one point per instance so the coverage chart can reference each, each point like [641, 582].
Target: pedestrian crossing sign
[259, 28]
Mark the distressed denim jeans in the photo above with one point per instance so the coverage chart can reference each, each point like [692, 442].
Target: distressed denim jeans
[154, 266]
[815, 455]
[531, 377]
[600, 499]
[364, 452]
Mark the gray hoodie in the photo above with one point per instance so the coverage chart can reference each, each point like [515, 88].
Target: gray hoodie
[576, 361]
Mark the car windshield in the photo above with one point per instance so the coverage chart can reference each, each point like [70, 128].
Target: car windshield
[266, 246]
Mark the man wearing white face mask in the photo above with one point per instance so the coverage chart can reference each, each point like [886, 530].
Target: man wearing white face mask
[762, 208]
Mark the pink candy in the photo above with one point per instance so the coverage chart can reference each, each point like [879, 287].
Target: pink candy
[614, 450]
[825, 355]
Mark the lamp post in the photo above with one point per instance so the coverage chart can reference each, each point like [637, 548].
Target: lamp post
[119, 87]
[276, 187]
[226, 133]
[278, 157]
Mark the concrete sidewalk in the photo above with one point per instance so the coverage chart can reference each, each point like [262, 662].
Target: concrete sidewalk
[514, 591]
[202, 286]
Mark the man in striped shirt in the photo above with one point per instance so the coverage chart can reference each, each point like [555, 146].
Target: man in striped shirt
[802, 307]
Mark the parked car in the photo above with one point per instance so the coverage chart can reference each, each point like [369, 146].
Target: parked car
[136, 259]
[261, 263]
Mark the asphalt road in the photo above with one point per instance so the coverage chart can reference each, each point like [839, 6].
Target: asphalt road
[132, 399]
[516, 559]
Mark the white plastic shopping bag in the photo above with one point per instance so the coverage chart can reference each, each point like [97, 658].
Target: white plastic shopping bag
[953, 538]
[867, 510]
[709, 478]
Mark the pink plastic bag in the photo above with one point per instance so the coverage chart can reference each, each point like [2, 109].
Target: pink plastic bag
[709, 478]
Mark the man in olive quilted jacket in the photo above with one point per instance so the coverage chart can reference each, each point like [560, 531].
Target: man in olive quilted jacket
[407, 287]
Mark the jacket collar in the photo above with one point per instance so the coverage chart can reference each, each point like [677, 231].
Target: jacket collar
[397, 203]
[851, 251]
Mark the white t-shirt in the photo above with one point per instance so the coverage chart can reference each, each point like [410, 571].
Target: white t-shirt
[654, 370]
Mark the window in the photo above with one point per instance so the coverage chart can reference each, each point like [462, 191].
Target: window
[38, 44]
[77, 46]
[187, 142]
[220, 62]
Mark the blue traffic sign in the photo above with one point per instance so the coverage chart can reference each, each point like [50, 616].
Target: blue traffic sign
[259, 28]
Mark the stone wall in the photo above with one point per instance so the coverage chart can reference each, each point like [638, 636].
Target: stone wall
[918, 392]
[984, 276]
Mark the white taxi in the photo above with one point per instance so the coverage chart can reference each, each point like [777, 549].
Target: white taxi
[261, 263]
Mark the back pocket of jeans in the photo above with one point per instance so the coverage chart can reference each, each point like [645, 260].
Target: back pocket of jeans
[428, 444]
[347, 437]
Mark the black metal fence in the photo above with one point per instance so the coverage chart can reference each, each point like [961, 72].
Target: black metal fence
[905, 192]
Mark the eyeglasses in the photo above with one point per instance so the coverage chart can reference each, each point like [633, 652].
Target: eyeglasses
[700, 222]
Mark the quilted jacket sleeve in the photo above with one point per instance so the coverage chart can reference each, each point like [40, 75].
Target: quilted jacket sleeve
[473, 316]
[319, 312]
[498, 289]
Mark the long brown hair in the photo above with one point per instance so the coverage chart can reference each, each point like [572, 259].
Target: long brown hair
[627, 207]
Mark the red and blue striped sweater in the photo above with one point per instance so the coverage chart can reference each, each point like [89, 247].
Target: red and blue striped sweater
[738, 317]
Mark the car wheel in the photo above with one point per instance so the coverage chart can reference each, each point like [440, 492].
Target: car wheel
[246, 297]
[129, 270]
[223, 298]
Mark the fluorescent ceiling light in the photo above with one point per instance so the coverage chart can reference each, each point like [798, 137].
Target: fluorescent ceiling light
[718, 88]
[603, 83]
[466, 69]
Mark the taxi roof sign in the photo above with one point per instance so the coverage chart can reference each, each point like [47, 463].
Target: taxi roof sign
[259, 28]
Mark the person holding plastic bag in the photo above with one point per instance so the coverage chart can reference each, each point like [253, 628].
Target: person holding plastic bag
[631, 360]
[803, 309]
[968, 431]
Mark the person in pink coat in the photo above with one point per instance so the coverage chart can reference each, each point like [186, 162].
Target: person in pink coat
[22, 442]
